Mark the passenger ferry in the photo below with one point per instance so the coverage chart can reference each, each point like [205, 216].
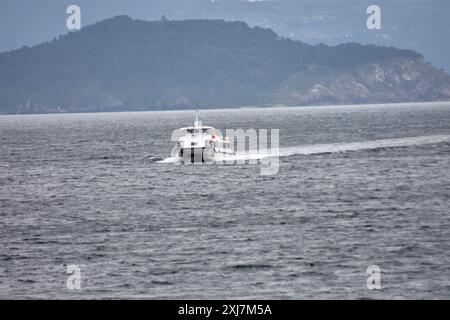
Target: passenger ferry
[199, 144]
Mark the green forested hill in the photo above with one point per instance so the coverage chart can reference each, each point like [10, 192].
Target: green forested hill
[125, 64]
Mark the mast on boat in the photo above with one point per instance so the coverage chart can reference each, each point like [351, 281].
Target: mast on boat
[196, 123]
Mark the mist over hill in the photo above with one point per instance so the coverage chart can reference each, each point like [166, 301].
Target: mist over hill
[125, 64]
[420, 25]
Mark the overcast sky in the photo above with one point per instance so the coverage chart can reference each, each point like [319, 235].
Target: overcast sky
[421, 25]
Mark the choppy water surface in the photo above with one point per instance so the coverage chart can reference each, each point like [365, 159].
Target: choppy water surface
[357, 186]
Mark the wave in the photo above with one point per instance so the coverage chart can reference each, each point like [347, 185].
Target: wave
[364, 145]
[333, 148]
[153, 159]
[168, 160]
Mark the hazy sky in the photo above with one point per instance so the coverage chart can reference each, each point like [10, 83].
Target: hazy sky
[422, 25]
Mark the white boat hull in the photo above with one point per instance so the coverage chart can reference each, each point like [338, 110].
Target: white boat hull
[200, 144]
[196, 154]
[199, 154]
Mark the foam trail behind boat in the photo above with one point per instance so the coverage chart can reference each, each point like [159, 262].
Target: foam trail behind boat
[169, 160]
[334, 147]
[364, 145]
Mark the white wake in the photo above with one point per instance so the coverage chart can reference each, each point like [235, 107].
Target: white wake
[332, 148]
[355, 146]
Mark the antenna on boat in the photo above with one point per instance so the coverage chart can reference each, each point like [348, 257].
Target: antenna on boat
[196, 119]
